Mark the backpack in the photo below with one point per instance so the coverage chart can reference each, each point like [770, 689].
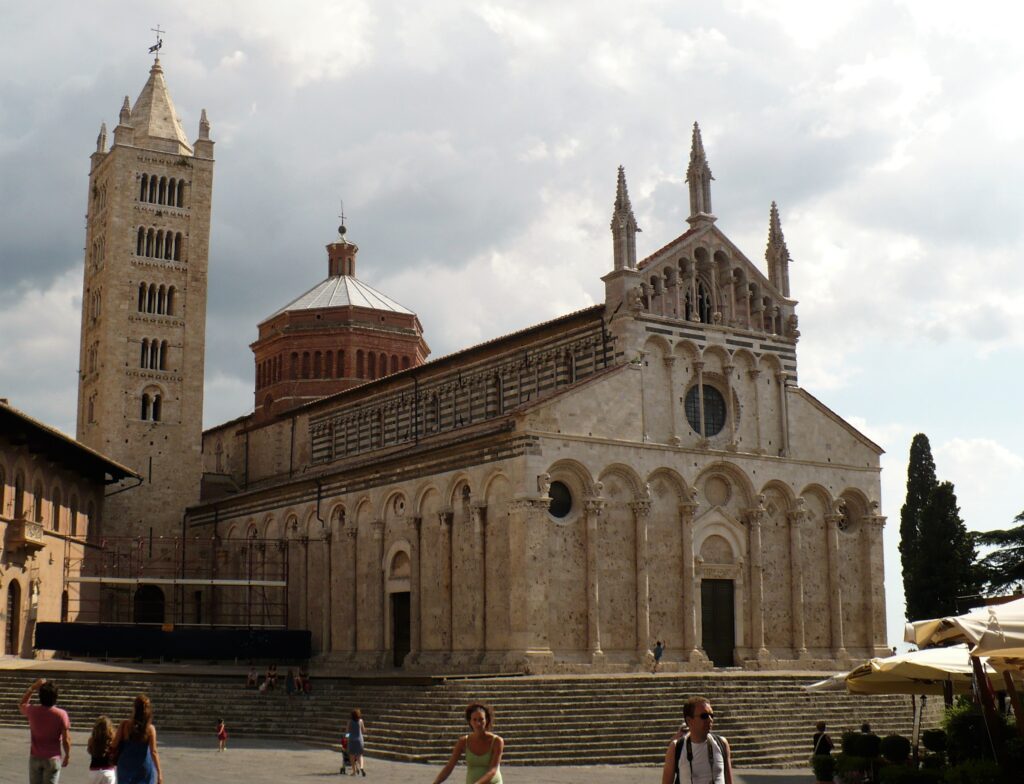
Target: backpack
[718, 741]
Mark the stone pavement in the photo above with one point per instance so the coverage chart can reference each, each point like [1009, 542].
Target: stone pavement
[190, 759]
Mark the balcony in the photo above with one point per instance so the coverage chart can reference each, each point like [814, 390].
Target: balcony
[25, 534]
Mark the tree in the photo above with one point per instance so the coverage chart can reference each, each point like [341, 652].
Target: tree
[945, 566]
[1003, 568]
[921, 482]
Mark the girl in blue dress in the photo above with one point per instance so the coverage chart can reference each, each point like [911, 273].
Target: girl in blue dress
[135, 746]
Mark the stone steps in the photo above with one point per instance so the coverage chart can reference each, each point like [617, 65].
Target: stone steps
[588, 720]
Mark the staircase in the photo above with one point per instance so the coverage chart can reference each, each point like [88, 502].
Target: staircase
[768, 718]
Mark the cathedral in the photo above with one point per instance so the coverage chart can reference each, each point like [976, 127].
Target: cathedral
[552, 500]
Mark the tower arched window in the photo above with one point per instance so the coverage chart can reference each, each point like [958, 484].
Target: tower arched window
[405, 363]
[163, 355]
[142, 298]
[157, 406]
[150, 242]
[37, 502]
[181, 193]
[317, 364]
[339, 370]
[305, 364]
[161, 196]
[171, 191]
[328, 364]
[144, 355]
[383, 365]
[144, 187]
[19, 495]
[170, 300]
[161, 299]
[371, 370]
[394, 363]
[359, 364]
[144, 414]
[178, 242]
[152, 189]
[140, 242]
[55, 503]
[704, 306]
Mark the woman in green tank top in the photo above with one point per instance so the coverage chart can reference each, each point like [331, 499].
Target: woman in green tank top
[482, 747]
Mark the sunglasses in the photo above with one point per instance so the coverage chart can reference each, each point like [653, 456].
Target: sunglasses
[706, 715]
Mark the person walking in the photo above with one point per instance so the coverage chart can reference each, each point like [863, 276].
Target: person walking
[222, 735]
[49, 731]
[138, 761]
[696, 755]
[659, 651]
[356, 740]
[822, 742]
[102, 769]
[483, 749]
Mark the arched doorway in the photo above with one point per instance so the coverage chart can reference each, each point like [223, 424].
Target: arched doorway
[718, 621]
[400, 610]
[149, 605]
[13, 636]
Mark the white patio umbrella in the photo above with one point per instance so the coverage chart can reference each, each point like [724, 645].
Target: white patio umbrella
[917, 672]
[995, 631]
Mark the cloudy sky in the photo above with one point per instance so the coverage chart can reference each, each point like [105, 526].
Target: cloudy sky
[475, 146]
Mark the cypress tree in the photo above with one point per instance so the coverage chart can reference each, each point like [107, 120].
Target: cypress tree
[946, 566]
[921, 482]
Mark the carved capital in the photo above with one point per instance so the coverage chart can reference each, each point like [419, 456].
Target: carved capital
[351, 532]
[641, 508]
[417, 523]
[594, 506]
[543, 484]
[445, 516]
[377, 529]
[669, 361]
[754, 373]
[699, 365]
[755, 515]
[876, 521]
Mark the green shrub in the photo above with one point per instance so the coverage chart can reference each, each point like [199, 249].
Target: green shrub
[934, 740]
[967, 738]
[895, 748]
[824, 767]
[857, 744]
[871, 745]
[976, 772]
[851, 744]
[933, 761]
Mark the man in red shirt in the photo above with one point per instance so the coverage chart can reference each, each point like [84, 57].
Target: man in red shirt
[48, 726]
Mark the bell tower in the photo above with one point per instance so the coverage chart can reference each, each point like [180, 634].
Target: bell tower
[140, 387]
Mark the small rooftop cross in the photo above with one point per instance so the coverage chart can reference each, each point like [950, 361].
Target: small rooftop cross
[341, 217]
[155, 48]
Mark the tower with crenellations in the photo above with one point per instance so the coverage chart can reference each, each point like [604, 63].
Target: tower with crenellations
[140, 388]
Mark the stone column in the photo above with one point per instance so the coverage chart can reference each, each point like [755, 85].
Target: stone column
[691, 591]
[594, 506]
[415, 589]
[641, 514]
[376, 581]
[694, 306]
[699, 367]
[352, 622]
[755, 517]
[730, 408]
[670, 365]
[477, 516]
[444, 525]
[780, 377]
[754, 375]
[874, 523]
[326, 600]
[835, 590]
[798, 517]
[529, 568]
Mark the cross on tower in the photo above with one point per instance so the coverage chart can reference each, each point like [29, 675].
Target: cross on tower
[341, 217]
[155, 48]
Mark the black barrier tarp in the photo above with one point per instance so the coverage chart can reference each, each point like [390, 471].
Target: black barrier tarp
[152, 642]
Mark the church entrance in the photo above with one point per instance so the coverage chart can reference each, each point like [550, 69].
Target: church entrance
[13, 618]
[400, 626]
[718, 621]
[149, 605]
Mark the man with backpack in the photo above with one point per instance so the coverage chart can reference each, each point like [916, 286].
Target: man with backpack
[696, 755]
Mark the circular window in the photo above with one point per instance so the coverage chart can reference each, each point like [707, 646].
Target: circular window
[714, 410]
[561, 500]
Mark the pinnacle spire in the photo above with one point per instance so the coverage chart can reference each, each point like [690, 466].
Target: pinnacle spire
[154, 117]
[777, 254]
[101, 140]
[125, 118]
[698, 176]
[204, 126]
[623, 226]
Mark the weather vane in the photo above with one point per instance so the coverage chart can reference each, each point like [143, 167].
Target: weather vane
[155, 48]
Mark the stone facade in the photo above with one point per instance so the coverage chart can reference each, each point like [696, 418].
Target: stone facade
[140, 392]
[559, 498]
[51, 507]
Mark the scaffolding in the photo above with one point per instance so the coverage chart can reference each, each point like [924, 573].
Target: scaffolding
[182, 582]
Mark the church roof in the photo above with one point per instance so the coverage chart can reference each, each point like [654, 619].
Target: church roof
[341, 291]
[154, 118]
